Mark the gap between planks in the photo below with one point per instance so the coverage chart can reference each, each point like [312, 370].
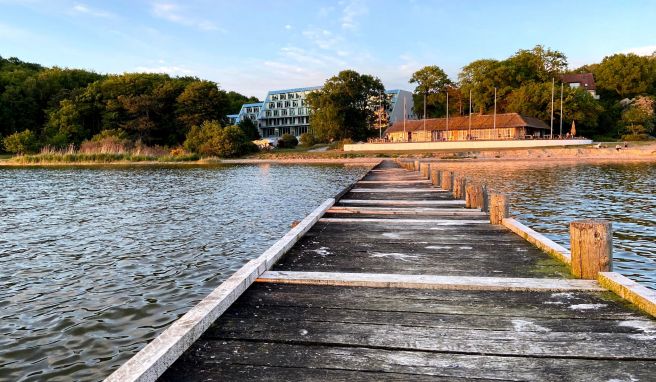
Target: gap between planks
[398, 190]
[406, 211]
[433, 222]
[382, 280]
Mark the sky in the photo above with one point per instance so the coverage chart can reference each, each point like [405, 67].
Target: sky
[255, 46]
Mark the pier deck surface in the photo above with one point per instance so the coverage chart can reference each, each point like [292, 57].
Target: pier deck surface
[357, 299]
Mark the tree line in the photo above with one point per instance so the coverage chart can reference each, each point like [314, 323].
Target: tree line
[57, 107]
[626, 84]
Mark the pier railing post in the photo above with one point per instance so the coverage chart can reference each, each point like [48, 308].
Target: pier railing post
[498, 208]
[416, 168]
[459, 183]
[424, 170]
[474, 196]
[591, 247]
[446, 178]
[434, 176]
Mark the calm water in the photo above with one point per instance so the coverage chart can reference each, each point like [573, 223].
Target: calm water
[94, 263]
[547, 196]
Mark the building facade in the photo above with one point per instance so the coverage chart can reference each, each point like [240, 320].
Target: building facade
[463, 128]
[582, 80]
[248, 110]
[285, 112]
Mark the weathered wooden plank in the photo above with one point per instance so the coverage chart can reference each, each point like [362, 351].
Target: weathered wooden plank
[640, 296]
[406, 211]
[409, 181]
[433, 222]
[391, 202]
[397, 190]
[379, 280]
[271, 361]
[540, 241]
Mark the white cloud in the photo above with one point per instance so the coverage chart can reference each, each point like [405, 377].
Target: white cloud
[172, 70]
[86, 10]
[352, 10]
[176, 14]
[288, 27]
[322, 38]
[647, 50]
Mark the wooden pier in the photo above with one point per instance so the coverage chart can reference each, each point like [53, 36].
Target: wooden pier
[398, 280]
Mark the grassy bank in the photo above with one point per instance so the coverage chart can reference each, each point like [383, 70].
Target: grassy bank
[104, 158]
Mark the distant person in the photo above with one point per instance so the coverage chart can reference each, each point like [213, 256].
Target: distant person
[618, 147]
[626, 145]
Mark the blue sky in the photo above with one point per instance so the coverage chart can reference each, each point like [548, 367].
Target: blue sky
[254, 46]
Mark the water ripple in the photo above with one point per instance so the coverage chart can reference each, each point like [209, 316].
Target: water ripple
[96, 262]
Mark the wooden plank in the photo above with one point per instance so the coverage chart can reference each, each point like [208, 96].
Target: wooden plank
[274, 361]
[406, 211]
[393, 202]
[379, 280]
[540, 241]
[640, 296]
[151, 361]
[397, 190]
[418, 181]
[434, 222]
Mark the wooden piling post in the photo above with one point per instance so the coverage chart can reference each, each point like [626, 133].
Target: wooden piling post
[416, 168]
[591, 247]
[435, 176]
[424, 170]
[498, 208]
[446, 179]
[459, 182]
[474, 196]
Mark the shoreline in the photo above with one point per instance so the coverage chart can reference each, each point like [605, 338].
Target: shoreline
[645, 152]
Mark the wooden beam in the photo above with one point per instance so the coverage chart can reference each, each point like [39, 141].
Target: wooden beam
[409, 181]
[382, 280]
[640, 296]
[406, 211]
[391, 202]
[540, 241]
[392, 222]
[397, 190]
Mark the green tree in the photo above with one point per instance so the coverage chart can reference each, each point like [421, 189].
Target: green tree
[638, 119]
[432, 82]
[235, 100]
[24, 142]
[344, 107]
[201, 101]
[625, 75]
[209, 139]
[249, 128]
[287, 141]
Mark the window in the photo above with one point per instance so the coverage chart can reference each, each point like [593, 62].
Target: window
[283, 112]
[283, 96]
[287, 104]
[300, 110]
[279, 104]
[295, 103]
[275, 113]
[292, 111]
[271, 105]
[274, 97]
[268, 113]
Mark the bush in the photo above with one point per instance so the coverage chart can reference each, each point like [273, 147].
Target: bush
[287, 141]
[210, 139]
[21, 143]
[308, 139]
[249, 128]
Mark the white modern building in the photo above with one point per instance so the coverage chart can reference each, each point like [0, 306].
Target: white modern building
[248, 110]
[286, 111]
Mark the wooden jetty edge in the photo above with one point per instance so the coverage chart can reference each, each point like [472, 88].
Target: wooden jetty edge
[397, 278]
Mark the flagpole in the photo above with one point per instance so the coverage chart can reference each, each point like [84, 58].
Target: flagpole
[425, 138]
[470, 115]
[495, 113]
[447, 114]
[561, 109]
[553, 88]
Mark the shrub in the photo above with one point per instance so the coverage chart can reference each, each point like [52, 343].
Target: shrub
[210, 139]
[308, 139]
[249, 128]
[21, 143]
[287, 141]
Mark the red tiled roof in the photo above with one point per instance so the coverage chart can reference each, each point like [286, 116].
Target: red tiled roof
[485, 121]
[585, 79]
